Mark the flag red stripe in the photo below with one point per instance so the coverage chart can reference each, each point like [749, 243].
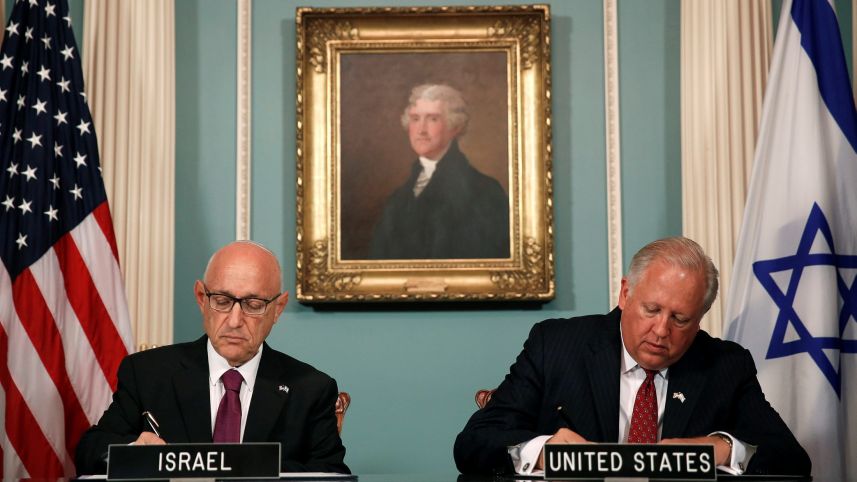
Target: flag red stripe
[39, 323]
[23, 431]
[102, 216]
[90, 310]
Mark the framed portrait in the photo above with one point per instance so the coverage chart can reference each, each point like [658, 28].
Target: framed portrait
[423, 154]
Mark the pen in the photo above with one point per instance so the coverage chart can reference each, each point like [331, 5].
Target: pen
[565, 418]
[150, 419]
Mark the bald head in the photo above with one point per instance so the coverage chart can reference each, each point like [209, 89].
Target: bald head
[247, 258]
[242, 272]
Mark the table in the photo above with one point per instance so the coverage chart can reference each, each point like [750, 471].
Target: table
[488, 478]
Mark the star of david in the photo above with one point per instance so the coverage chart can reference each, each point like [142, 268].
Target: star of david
[806, 342]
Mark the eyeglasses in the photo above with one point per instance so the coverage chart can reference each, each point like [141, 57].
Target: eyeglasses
[251, 306]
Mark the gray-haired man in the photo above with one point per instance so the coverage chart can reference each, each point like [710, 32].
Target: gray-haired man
[446, 209]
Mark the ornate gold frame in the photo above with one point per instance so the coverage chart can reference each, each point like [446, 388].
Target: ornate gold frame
[523, 33]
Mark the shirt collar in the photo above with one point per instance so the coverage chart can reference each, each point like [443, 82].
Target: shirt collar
[429, 165]
[629, 364]
[217, 366]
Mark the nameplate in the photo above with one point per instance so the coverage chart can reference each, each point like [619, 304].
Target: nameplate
[176, 461]
[588, 461]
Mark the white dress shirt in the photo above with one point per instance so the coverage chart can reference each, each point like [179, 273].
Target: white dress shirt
[631, 377]
[217, 366]
[429, 165]
[423, 179]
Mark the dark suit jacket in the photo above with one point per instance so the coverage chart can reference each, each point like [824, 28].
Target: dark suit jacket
[461, 213]
[172, 383]
[575, 363]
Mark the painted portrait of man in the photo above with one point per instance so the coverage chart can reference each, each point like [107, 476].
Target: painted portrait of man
[446, 209]
[435, 185]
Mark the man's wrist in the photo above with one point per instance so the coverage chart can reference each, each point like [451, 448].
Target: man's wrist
[728, 441]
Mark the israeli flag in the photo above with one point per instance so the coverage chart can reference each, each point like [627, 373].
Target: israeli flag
[793, 298]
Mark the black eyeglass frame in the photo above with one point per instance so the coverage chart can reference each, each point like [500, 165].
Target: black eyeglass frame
[240, 301]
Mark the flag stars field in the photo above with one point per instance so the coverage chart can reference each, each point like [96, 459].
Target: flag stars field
[30, 173]
[51, 213]
[39, 106]
[44, 74]
[77, 192]
[35, 140]
[25, 207]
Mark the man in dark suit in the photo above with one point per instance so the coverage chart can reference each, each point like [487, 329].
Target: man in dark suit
[446, 209]
[185, 387]
[598, 368]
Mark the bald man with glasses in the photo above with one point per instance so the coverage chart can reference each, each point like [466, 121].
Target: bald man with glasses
[229, 385]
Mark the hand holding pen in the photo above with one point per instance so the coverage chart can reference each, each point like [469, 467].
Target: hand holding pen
[565, 435]
[153, 437]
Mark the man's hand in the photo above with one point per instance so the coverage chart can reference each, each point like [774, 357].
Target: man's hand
[148, 438]
[562, 436]
[722, 450]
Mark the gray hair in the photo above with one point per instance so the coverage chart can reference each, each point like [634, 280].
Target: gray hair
[677, 251]
[455, 106]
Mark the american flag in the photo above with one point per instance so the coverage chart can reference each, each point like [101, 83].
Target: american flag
[64, 324]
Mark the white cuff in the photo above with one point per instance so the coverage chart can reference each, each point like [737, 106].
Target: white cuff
[740, 456]
[525, 455]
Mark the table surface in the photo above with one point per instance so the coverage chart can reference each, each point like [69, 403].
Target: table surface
[487, 478]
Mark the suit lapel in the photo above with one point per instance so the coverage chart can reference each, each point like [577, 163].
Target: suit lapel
[269, 398]
[190, 383]
[602, 367]
[684, 390]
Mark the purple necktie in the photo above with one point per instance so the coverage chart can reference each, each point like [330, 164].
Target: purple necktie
[227, 425]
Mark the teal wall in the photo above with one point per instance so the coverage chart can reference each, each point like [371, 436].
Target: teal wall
[412, 374]
[650, 103]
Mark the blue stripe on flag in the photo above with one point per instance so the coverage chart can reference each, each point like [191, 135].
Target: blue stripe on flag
[816, 21]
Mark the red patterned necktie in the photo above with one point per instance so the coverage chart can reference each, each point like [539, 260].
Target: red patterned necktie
[227, 425]
[644, 419]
